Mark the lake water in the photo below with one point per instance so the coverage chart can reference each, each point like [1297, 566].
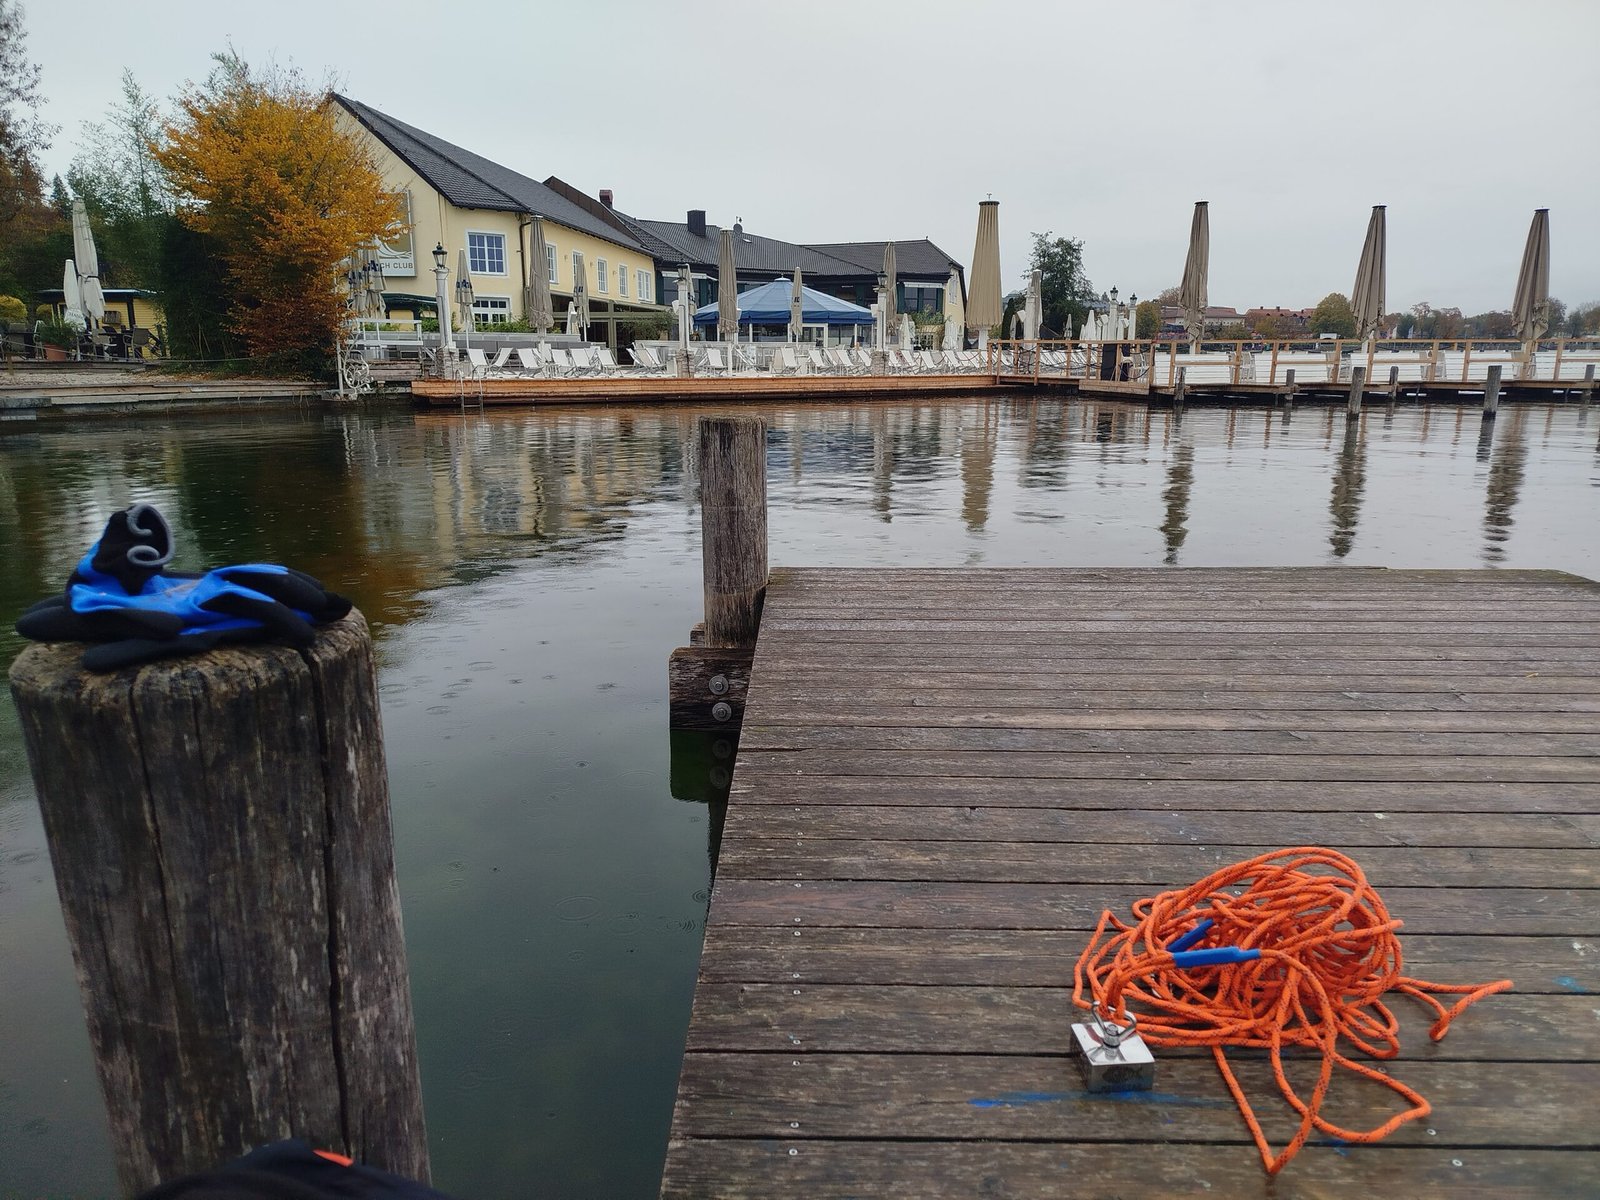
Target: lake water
[527, 573]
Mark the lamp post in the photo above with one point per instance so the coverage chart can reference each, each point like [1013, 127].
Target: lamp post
[441, 277]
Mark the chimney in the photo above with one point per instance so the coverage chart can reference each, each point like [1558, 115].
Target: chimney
[697, 222]
[605, 197]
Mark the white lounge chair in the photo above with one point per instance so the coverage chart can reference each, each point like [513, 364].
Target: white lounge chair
[712, 359]
[530, 361]
[647, 362]
[605, 362]
[560, 361]
[930, 364]
[477, 364]
[819, 361]
[849, 362]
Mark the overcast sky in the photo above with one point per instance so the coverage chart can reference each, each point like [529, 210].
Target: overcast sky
[878, 119]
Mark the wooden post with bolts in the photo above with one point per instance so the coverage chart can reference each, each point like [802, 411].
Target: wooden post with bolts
[219, 829]
[1491, 392]
[1358, 379]
[707, 679]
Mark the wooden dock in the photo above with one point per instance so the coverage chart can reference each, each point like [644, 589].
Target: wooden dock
[945, 775]
[628, 388]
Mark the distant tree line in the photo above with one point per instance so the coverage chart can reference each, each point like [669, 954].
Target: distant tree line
[237, 206]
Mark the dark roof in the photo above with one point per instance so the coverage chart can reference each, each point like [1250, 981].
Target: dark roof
[920, 257]
[469, 180]
[672, 242]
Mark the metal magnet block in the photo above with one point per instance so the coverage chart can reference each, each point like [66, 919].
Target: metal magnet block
[1120, 1062]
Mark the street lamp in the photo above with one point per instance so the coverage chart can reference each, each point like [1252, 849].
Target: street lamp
[441, 296]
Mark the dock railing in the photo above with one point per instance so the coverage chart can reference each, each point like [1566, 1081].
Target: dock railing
[1460, 362]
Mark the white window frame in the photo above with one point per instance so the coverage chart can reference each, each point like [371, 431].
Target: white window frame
[481, 313]
[643, 280]
[600, 269]
[574, 261]
[551, 258]
[488, 233]
[622, 279]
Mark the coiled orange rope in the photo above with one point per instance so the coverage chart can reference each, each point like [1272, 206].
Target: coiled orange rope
[1328, 955]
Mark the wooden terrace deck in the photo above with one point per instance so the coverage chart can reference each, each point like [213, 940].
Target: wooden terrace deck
[945, 775]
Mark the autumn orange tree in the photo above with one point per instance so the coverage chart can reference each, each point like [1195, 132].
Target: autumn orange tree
[261, 167]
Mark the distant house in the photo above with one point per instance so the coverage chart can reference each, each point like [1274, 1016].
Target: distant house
[1172, 319]
[1290, 322]
[848, 270]
[463, 201]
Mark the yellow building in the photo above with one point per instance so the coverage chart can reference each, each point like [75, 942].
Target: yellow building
[461, 200]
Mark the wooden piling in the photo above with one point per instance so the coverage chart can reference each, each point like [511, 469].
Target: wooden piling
[733, 523]
[1289, 388]
[1588, 383]
[707, 679]
[1394, 384]
[1358, 379]
[1491, 392]
[1177, 389]
[219, 828]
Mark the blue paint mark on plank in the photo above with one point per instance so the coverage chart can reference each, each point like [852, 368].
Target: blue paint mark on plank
[1022, 1099]
[1572, 985]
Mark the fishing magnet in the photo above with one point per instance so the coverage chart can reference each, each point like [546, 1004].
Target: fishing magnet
[1112, 1057]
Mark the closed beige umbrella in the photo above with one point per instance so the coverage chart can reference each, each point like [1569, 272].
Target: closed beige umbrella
[796, 314]
[464, 297]
[88, 263]
[1531, 309]
[1192, 296]
[539, 311]
[890, 304]
[1367, 297]
[983, 293]
[578, 315]
[727, 290]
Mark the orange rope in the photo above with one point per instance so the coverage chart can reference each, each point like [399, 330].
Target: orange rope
[1329, 954]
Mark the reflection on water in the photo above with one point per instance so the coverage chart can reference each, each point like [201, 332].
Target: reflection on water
[527, 572]
[1505, 485]
[1349, 478]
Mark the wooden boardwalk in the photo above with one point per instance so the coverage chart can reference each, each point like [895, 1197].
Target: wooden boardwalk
[945, 775]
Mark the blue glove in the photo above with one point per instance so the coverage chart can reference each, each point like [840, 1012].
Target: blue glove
[120, 597]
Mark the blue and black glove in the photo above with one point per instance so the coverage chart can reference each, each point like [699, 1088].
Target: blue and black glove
[121, 597]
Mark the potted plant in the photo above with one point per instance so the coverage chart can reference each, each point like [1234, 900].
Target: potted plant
[57, 338]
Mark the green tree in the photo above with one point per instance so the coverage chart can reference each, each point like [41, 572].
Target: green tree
[1333, 315]
[24, 216]
[124, 188]
[1558, 317]
[1064, 288]
[1146, 319]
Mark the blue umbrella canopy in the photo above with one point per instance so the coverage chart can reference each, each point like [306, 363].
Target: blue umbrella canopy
[769, 305]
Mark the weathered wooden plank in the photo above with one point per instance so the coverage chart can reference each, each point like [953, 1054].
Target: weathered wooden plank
[823, 698]
[742, 1169]
[978, 626]
[757, 786]
[1176, 580]
[1106, 829]
[1152, 656]
[1154, 866]
[1266, 768]
[1112, 687]
[868, 903]
[1555, 965]
[1248, 612]
[934, 1019]
[1286, 740]
[787, 711]
[1009, 1098]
